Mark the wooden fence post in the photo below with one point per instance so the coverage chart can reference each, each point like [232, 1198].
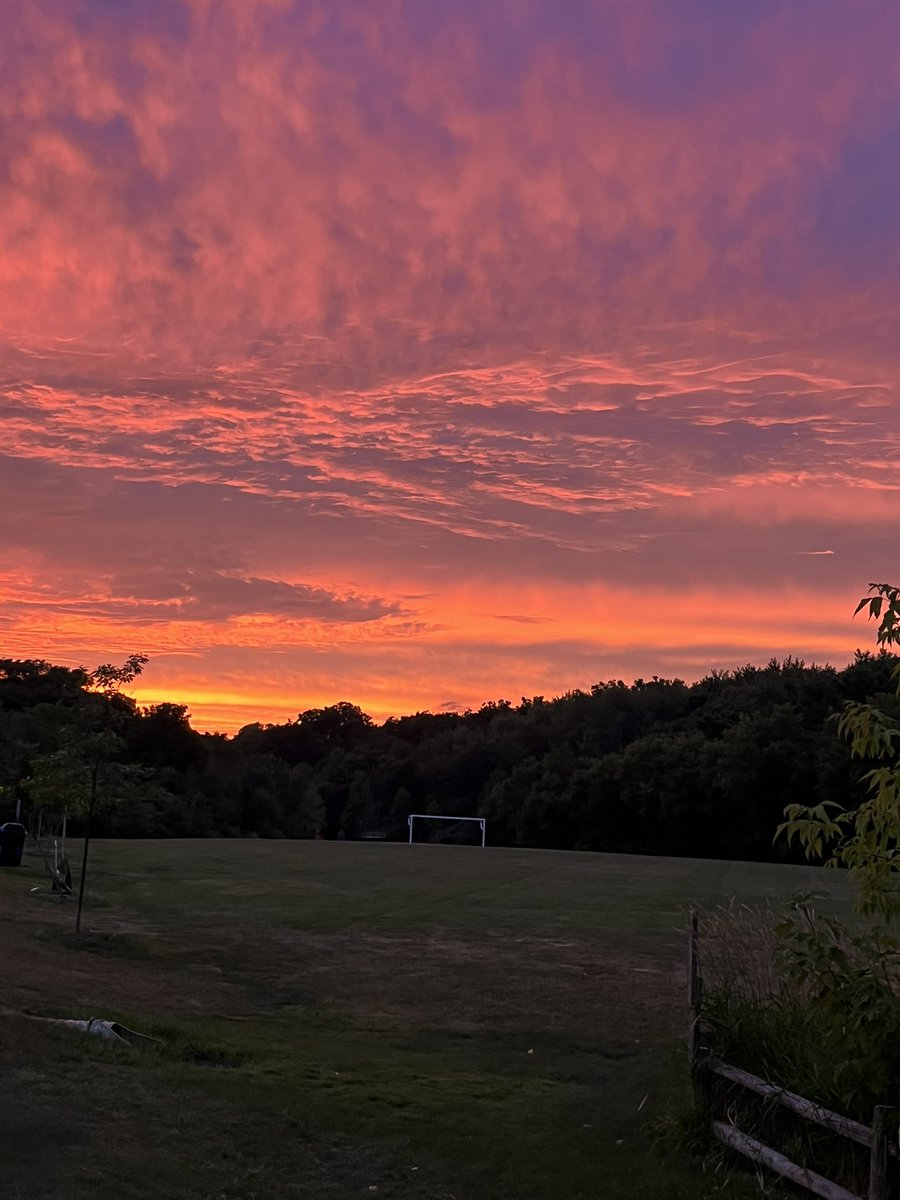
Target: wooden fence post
[695, 983]
[694, 989]
[878, 1166]
[697, 1058]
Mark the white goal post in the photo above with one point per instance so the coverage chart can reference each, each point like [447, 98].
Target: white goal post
[431, 817]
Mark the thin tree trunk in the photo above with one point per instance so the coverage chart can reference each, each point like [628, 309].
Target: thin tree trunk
[84, 858]
[87, 841]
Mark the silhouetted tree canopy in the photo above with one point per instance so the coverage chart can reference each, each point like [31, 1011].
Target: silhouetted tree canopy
[656, 767]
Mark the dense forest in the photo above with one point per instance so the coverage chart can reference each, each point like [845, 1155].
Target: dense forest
[655, 767]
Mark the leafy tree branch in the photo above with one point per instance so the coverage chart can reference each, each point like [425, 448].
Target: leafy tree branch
[865, 840]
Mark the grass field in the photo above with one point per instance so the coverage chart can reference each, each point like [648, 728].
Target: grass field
[354, 1019]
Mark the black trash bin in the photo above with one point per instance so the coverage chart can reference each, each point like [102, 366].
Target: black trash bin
[12, 840]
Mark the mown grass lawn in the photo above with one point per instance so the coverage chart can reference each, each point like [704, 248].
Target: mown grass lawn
[355, 1019]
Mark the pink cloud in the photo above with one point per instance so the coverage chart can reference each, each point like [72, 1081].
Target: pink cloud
[195, 195]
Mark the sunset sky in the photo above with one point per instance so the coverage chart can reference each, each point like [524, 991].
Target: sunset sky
[419, 353]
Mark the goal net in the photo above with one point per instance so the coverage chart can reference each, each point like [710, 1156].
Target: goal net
[457, 831]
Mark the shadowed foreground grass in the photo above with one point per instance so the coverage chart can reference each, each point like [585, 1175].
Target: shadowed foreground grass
[341, 1019]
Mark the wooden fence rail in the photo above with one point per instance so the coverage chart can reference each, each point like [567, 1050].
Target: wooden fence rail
[878, 1138]
[854, 1130]
[734, 1139]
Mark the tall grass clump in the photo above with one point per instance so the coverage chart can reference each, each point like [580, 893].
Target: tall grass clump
[805, 1001]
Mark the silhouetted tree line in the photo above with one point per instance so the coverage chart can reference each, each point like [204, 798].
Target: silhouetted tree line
[655, 767]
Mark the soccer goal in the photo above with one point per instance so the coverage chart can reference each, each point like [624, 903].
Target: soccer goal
[413, 817]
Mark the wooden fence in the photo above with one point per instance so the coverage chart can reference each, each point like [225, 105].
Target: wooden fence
[880, 1138]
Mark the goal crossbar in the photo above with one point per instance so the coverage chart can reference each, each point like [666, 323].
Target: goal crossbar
[432, 817]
